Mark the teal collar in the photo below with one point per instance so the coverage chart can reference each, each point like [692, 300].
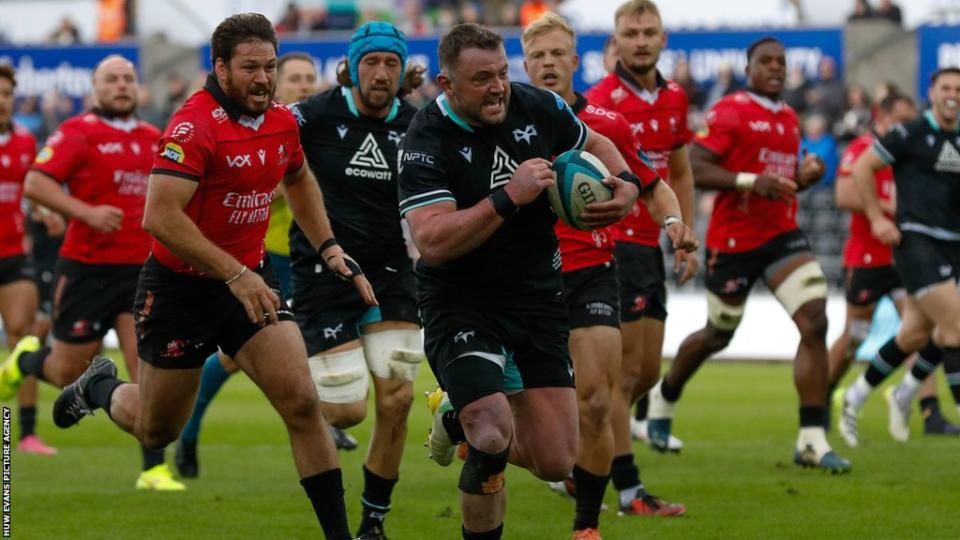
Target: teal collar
[352, 105]
[932, 120]
[448, 111]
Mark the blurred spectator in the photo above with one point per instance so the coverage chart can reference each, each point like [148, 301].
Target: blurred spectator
[65, 34]
[861, 11]
[681, 76]
[27, 114]
[147, 108]
[797, 87]
[725, 84]
[112, 20]
[856, 119]
[890, 11]
[290, 20]
[817, 140]
[176, 94]
[414, 21]
[827, 94]
[532, 10]
[470, 13]
[54, 109]
[884, 89]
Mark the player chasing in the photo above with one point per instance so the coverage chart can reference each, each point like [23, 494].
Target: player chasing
[749, 154]
[208, 284]
[103, 157]
[871, 275]
[296, 81]
[589, 274]
[926, 238]
[352, 133]
[18, 292]
[656, 109]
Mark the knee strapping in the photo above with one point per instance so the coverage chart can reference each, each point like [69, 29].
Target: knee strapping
[723, 316]
[804, 284]
[340, 377]
[859, 330]
[394, 354]
[482, 473]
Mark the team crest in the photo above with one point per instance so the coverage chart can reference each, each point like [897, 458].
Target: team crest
[503, 168]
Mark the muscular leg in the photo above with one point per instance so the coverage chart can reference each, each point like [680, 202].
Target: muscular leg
[596, 354]
[488, 426]
[276, 360]
[642, 347]
[393, 399]
[18, 307]
[843, 351]
[217, 368]
[941, 304]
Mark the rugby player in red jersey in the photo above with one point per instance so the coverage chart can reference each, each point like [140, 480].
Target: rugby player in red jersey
[589, 273]
[870, 275]
[749, 154]
[208, 283]
[103, 158]
[656, 110]
[18, 292]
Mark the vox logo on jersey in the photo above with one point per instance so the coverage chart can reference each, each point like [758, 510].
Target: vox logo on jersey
[237, 162]
[110, 148]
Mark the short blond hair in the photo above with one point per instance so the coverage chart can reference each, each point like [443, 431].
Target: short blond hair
[636, 7]
[549, 22]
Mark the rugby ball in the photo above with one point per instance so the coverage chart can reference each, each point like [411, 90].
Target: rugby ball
[579, 182]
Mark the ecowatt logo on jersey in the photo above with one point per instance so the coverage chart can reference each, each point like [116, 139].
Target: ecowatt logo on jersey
[369, 157]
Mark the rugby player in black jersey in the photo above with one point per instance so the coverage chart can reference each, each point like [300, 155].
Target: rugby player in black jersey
[925, 156]
[351, 135]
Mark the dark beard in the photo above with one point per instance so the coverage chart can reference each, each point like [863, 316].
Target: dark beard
[239, 98]
[118, 113]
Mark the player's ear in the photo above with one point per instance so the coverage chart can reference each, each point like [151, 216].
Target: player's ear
[220, 68]
[576, 62]
[445, 83]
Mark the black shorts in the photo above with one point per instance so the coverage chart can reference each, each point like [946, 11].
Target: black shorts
[643, 289]
[478, 350]
[181, 319]
[592, 296]
[15, 268]
[866, 286]
[330, 311]
[924, 261]
[733, 274]
[87, 298]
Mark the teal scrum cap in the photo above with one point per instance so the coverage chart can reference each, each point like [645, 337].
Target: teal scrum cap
[375, 36]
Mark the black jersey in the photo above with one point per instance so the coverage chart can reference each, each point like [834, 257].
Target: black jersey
[926, 169]
[354, 158]
[446, 159]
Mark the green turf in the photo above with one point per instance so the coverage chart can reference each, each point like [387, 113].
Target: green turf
[735, 475]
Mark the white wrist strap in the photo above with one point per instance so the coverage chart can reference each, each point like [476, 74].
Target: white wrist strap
[745, 181]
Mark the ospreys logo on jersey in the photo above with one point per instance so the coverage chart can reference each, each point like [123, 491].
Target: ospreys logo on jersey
[948, 160]
[503, 168]
[369, 157]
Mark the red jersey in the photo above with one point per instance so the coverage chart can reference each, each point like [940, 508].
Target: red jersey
[863, 250]
[237, 160]
[103, 161]
[751, 133]
[582, 249]
[17, 150]
[658, 120]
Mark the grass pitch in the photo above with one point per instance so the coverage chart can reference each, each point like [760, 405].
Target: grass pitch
[736, 476]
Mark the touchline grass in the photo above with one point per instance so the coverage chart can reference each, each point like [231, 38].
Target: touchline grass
[736, 476]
